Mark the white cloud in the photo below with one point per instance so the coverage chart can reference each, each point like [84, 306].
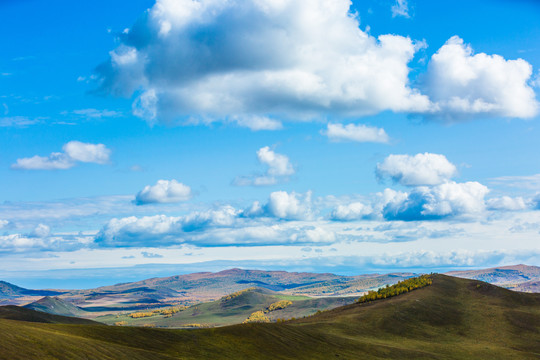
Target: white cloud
[161, 229]
[315, 235]
[352, 132]
[284, 205]
[531, 182]
[400, 8]
[40, 239]
[55, 161]
[536, 202]
[279, 168]
[352, 211]
[506, 203]
[96, 114]
[462, 84]
[278, 164]
[238, 59]
[19, 242]
[225, 226]
[257, 123]
[449, 199]
[41, 231]
[536, 80]
[254, 62]
[133, 231]
[420, 169]
[224, 216]
[164, 191]
[455, 198]
[18, 121]
[88, 153]
[429, 258]
[73, 152]
[3, 223]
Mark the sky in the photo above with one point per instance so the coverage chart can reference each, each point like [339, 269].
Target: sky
[154, 138]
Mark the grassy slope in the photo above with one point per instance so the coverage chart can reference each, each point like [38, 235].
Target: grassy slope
[451, 319]
[234, 311]
[12, 312]
[56, 306]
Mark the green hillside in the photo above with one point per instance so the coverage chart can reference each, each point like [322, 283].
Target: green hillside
[231, 309]
[12, 312]
[450, 319]
[56, 306]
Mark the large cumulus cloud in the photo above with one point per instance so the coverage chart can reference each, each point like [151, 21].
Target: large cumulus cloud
[225, 226]
[284, 205]
[259, 62]
[446, 200]
[238, 59]
[419, 169]
[462, 84]
[164, 191]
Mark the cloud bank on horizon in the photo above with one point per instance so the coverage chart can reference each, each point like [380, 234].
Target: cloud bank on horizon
[290, 218]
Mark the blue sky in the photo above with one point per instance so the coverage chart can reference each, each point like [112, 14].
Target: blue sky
[153, 138]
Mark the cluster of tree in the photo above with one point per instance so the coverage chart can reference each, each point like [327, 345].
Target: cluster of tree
[120, 323]
[282, 304]
[168, 312]
[236, 294]
[280, 320]
[196, 325]
[396, 289]
[138, 315]
[257, 317]
[172, 310]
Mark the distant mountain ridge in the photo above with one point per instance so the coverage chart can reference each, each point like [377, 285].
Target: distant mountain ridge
[516, 277]
[206, 286]
[200, 287]
[10, 290]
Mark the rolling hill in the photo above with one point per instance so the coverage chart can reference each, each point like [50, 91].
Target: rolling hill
[204, 287]
[56, 306]
[13, 312]
[451, 319]
[232, 309]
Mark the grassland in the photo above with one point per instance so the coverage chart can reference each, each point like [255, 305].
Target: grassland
[450, 319]
[232, 309]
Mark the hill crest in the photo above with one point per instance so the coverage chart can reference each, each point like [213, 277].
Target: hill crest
[55, 306]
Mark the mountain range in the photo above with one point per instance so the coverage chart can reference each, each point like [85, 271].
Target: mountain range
[517, 277]
[189, 289]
